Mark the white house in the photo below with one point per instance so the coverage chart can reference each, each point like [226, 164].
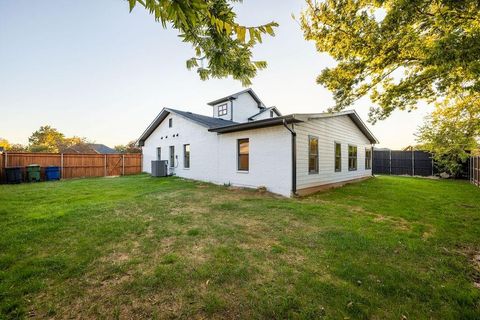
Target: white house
[244, 143]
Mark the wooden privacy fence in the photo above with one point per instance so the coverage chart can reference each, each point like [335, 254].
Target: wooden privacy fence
[475, 170]
[74, 165]
[414, 163]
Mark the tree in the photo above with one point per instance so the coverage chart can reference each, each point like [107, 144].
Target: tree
[17, 147]
[128, 148]
[4, 144]
[45, 139]
[7, 146]
[220, 42]
[452, 132]
[397, 52]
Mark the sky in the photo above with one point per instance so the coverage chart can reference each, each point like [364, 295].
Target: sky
[91, 69]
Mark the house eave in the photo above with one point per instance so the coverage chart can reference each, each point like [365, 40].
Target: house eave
[235, 96]
[265, 123]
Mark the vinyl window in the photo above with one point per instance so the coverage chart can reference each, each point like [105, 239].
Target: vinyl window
[312, 154]
[243, 150]
[170, 122]
[338, 157]
[222, 110]
[186, 156]
[172, 156]
[159, 153]
[352, 158]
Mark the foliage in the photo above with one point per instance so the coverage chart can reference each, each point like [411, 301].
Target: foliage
[45, 139]
[143, 248]
[48, 139]
[4, 144]
[7, 146]
[130, 147]
[17, 147]
[398, 52]
[218, 39]
[452, 132]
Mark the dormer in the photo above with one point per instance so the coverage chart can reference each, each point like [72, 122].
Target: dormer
[238, 107]
[266, 113]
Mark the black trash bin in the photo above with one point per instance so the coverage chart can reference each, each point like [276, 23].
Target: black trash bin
[13, 174]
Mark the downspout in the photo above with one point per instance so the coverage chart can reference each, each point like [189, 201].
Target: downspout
[294, 157]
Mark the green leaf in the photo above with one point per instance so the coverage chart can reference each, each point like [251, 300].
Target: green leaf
[132, 4]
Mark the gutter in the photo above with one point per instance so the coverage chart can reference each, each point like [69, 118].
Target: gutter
[294, 157]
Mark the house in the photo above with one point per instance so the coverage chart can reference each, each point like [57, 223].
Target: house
[89, 148]
[245, 143]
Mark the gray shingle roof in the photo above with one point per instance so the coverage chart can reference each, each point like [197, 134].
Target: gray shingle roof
[101, 148]
[207, 121]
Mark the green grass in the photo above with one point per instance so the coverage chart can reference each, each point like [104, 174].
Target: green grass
[139, 247]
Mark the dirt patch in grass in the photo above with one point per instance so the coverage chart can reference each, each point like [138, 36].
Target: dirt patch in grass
[476, 265]
[395, 222]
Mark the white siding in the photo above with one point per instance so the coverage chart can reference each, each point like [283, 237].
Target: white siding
[203, 165]
[243, 108]
[270, 158]
[227, 116]
[213, 157]
[330, 130]
[265, 115]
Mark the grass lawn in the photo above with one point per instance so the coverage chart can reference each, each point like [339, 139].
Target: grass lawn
[139, 247]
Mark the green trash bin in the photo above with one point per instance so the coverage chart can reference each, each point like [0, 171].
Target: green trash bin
[33, 172]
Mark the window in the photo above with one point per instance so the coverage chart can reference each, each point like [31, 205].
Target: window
[170, 122]
[243, 146]
[312, 154]
[271, 113]
[172, 156]
[186, 156]
[352, 158]
[222, 110]
[159, 153]
[338, 157]
[368, 159]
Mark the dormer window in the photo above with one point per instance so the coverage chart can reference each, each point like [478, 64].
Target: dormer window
[222, 110]
[271, 113]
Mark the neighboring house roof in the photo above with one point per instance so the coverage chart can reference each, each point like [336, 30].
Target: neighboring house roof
[297, 117]
[274, 109]
[89, 148]
[206, 121]
[101, 148]
[235, 96]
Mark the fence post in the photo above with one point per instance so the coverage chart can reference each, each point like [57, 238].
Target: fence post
[6, 160]
[390, 162]
[477, 167]
[123, 164]
[431, 157]
[413, 162]
[61, 166]
[105, 165]
[470, 168]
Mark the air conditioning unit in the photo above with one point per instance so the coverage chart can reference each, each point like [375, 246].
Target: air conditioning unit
[159, 168]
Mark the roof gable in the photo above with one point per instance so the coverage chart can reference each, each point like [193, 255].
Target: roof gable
[352, 114]
[274, 109]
